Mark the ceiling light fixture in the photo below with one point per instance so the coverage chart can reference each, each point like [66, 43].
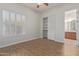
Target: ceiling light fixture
[41, 4]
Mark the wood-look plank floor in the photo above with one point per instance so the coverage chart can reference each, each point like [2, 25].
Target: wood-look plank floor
[40, 47]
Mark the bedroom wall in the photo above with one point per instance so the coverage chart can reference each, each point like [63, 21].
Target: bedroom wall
[32, 25]
[58, 13]
[55, 14]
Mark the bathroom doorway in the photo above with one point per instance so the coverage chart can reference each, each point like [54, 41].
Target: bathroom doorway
[70, 26]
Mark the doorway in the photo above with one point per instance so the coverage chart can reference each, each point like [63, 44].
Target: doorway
[70, 26]
[45, 28]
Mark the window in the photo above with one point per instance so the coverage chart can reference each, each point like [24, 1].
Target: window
[70, 21]
[13, 23]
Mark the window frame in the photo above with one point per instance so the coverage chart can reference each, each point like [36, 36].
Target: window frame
[15, 34]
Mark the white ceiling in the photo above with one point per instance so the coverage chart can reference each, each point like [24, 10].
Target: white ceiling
[42, 8]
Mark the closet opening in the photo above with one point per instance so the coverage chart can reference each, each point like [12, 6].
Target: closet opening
[45, 28]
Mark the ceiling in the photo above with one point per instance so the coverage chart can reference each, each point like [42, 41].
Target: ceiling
[33, 6]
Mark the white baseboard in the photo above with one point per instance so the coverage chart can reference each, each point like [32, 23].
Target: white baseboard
[17, 42]
[20, 41]
[58, 41]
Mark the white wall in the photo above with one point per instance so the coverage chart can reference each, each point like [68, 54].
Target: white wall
[58, 33]
[58, 12]
[32, 25]
[52, 27]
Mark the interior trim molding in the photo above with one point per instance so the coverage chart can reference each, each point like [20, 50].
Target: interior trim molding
[17, 42]
[57, 40]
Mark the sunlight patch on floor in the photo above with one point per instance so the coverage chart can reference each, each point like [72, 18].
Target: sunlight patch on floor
[69, 41]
